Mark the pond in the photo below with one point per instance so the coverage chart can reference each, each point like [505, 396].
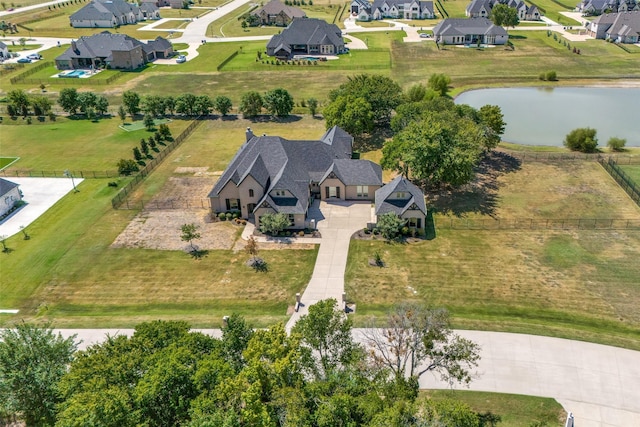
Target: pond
[544, 116]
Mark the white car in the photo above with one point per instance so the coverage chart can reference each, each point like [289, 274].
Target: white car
[180, 59]
[425, 36]
[34, 56]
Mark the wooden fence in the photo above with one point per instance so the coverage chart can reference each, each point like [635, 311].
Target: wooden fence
[17, 173]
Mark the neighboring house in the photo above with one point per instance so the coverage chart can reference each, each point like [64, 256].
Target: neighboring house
[9, 195]
[598, 7]
[4, 51]
[117, 51]
[306, 36]
[469, 32]
[150, 10]
[106, 14]
[404, 199]
[270, 174]
[482, 9]
[394, 9]
[621, 27]
[177, 4]
[276, 13]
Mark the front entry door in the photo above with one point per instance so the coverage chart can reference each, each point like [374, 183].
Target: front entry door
[250, 208]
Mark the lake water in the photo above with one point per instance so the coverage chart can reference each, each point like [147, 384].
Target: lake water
[544, 116]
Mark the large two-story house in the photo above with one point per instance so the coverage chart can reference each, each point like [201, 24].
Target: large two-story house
[271, 174]
[306, 36]
[109, 14]
[277, 13]
[394, 9]
[623, 27]
[482, 9]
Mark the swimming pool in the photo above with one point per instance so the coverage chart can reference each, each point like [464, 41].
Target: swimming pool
[73, 74]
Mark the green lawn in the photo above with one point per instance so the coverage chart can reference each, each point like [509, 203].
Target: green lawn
[354, 60]
[73, 144]
[633, 171]
[572, 284]
[76, 279]
[6, 161]
[514, 410]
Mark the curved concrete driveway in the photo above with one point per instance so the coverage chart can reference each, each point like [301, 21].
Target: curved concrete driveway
[599, 384]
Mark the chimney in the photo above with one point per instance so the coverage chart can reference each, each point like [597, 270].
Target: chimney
[249, 134]
[74, 46]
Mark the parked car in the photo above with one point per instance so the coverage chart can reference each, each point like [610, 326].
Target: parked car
[180, 59]
[425, 36]
[24, 60]
[34, 56]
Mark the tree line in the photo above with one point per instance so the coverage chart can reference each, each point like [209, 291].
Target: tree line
[166, 375]
[433, 141]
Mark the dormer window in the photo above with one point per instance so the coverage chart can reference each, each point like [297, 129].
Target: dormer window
[280, 193]
[401, 195]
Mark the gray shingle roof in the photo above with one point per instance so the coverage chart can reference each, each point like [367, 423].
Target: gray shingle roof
[307, 31]
[104, 10]
[274, 7]
[399, 206]
[459, 26]
[622, 24]
[278, 163]
[6, 186]
[99, 46]
[355, 172]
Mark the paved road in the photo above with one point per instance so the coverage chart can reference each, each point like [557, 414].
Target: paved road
[599, 384]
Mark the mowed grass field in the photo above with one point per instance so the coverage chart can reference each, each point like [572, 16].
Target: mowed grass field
[73, 144]
[581, 284]
[633, 171]
[68, 273]
[515, 410]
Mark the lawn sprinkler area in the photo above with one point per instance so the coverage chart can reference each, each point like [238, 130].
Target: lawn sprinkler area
[5, 162]
[75, 74]
[139, 124]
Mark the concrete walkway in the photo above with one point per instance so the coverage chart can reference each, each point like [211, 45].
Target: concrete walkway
[336, 221]
[599, 384]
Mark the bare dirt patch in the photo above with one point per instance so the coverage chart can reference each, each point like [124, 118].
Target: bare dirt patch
[160, 229]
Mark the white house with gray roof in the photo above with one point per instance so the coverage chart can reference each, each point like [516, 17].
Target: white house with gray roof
[404, 199]
[271, 174]
[4, 51]
[277, 13]
[306, 36]
[394, 9]
[482, 9]
[621, 27]
[470, 31]
[108, 14]
[9, 195]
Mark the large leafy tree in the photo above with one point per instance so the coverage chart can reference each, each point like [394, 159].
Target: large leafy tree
[439, 83]
[131, 102]
[32, 361]
[278, 102]
[491, 116]
[20, 100]
[186, 104]
[251, 104]
[381, 93]
[503, 15]
[222, 104]
[87, 100]
[68, 100]
[442, 148]
[326, 333]
[351, 113]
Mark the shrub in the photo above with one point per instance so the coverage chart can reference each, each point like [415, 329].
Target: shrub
[542, 76]
[581, 139]
[300, 233]
[616, 144]
[405, 231]
[389, 225]
[222, 216]
[552, 76]
[112, 184]
[229, 216]
[235, 215]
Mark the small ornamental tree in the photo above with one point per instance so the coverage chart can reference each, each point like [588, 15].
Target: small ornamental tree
[122, 113]
[390, 225]
[189, 234]
[136, 154]
[273, 223]
[144, 147]
[581, 139]
[616, 144]
[251, 104]
[148, 122]
[312, 103]
[440, 83]
[278, 102]
[127, 166]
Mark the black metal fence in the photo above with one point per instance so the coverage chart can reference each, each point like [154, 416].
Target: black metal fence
[537, 224]
[122, 195]
[629, 185]
[17, 173]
